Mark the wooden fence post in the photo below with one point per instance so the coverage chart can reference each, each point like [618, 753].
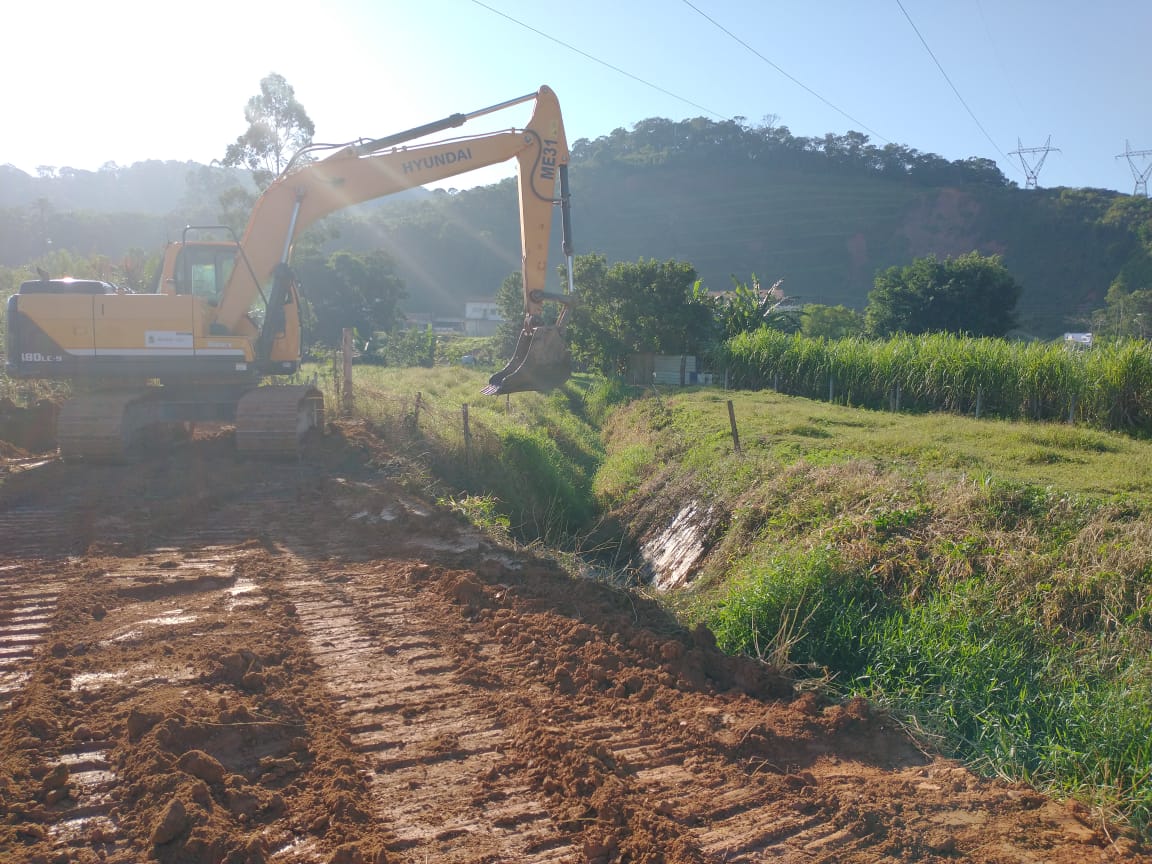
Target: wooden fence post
[732, 422]
[467, 437]
[347, 350]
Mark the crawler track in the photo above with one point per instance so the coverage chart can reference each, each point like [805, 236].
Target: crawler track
[204, 659]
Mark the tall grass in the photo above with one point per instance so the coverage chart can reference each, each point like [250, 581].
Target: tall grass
[982, 673]
[1109, 386]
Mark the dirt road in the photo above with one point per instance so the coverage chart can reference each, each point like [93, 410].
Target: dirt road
[203, 660]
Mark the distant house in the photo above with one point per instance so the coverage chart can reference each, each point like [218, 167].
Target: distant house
[676, 370]
[1078, 340]
[482, 318]
[439, 324]
[447, 325]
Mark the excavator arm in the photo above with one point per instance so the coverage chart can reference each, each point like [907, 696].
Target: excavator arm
[366, 170]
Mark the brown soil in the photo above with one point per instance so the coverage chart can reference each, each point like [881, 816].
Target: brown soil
[207, 660]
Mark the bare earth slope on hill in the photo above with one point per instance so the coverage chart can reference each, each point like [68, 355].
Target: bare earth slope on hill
[208, 660]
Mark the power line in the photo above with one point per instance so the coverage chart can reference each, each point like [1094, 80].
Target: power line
[598, 60]
[1000, 61]
[924, 42]
[791, 78]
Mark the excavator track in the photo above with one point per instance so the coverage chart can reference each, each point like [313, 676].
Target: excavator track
[273, 421]
[97, 425]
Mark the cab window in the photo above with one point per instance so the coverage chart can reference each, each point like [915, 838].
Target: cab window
[203, 272]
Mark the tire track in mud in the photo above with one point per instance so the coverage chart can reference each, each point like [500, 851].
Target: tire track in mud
[436, 750]
[665, 784]
[443, 792]
[81, 786]
[27, 604]
[41, 533]
[719, 803]
[497, 788]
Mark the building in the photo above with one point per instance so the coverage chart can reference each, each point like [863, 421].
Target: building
[482, 318]
[677, 370]
[438, 323]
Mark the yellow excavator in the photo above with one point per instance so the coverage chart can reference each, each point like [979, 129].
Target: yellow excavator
[226, 312]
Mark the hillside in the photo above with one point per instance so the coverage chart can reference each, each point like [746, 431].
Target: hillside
[822, 214]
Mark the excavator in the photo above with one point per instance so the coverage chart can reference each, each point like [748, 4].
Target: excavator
[225, 313]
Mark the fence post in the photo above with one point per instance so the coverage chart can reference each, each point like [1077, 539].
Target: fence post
[979, 401]
[346, 347]
[1072, 411]
[732, 422]
[467, 438]
[831, 387]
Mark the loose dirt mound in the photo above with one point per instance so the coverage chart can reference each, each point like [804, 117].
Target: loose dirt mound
[207, 660]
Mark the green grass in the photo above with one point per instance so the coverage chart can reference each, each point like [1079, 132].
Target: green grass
[775, 427]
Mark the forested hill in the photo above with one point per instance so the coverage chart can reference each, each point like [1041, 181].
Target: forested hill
[823, 214]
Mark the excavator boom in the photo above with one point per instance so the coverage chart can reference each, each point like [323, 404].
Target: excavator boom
[372, 169]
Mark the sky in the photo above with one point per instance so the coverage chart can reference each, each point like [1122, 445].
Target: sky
[127, 80]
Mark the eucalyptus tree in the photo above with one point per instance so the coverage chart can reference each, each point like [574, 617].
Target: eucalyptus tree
[278, 126]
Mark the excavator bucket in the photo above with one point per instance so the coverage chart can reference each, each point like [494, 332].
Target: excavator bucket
[541, 362]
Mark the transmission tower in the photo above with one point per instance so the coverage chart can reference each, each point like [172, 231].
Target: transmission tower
[1030, 169]
[1139, 174]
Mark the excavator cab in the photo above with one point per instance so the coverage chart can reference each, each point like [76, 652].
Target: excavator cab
[541, 361]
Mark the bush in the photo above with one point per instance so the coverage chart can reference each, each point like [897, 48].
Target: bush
[803, 609]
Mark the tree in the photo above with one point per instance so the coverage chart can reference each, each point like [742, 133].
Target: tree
[1126, 313]
[362, 292]
[748, 307]
[830, 322]
[510, 299]
[971, 294]
[278, 126]
[636, 307]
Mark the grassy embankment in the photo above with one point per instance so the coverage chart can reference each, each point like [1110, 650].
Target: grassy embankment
[526, 466]
[990, 582]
